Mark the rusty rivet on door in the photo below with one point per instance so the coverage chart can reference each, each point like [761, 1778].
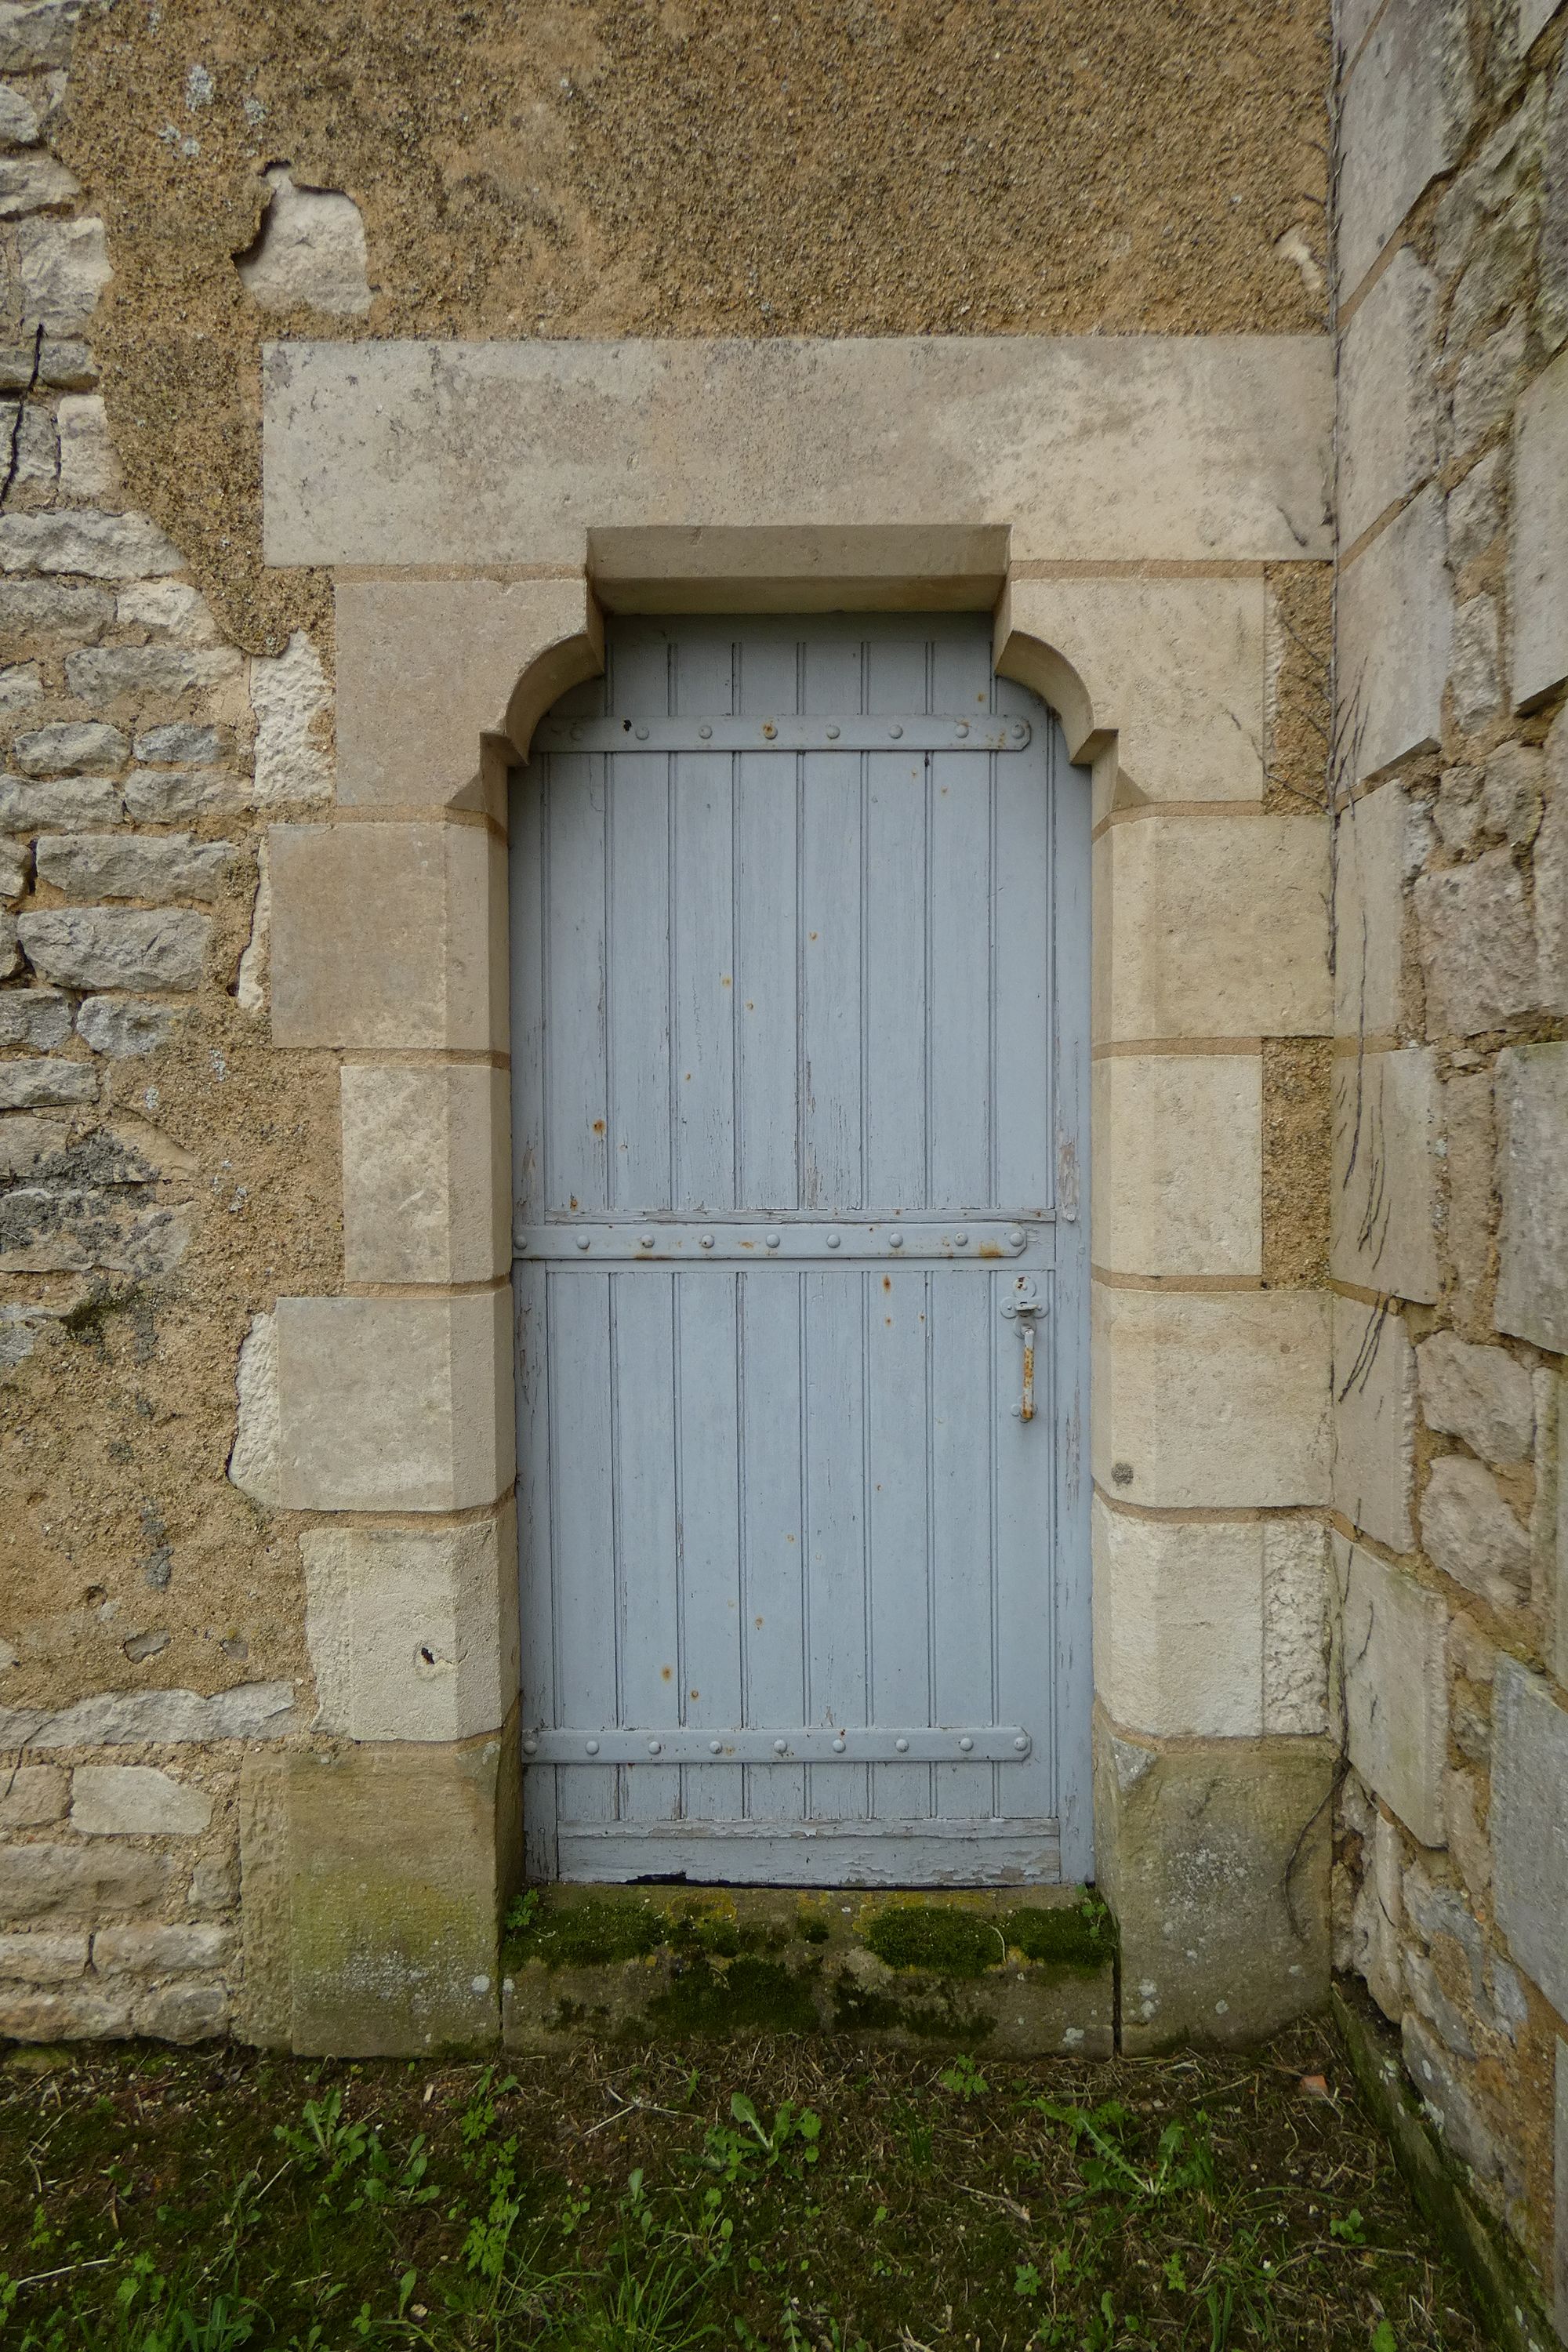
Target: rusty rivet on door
[769, 730]
[961, 1239]
[645, 1241]
[715, 1747]
[707, 1241]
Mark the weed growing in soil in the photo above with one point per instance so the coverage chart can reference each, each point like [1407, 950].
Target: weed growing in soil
[778, 2195]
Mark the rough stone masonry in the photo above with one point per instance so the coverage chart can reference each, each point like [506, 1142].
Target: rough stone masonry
[175, 187]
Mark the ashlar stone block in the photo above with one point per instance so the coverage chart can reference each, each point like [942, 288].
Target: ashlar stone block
[426, 1172]
[136, 1801]
[1375, 1421]
[423, 963]
[1211, 1400]
[1468, 1532]
[1481, 1394]
[1538, 559]
[1177, 1171]
[1396, 1697]
[1211, 927]
[1533, 1177]
[1370, 835]
[1176, 669]
[1405, 110]
[426, 667]
[412, 1635]
[1388, 417]
[1530, 1826]
[1395, 629]
[395, 1404]
[1383, 1235]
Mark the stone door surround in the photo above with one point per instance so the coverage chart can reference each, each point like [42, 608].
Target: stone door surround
[1116, 502]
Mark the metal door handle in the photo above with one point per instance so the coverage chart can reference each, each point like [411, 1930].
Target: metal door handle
[1024, 1311]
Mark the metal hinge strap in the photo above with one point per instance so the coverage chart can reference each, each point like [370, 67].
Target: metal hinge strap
[1006, 1743]
[978, 731]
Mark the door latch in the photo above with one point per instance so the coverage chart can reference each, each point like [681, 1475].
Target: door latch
[1025, 1307]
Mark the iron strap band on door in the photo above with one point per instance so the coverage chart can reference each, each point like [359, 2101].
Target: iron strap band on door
[1004, 1743]
[841, 1241]
[983, 732]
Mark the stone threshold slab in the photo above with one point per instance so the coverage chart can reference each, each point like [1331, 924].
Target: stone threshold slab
[1015, 1972]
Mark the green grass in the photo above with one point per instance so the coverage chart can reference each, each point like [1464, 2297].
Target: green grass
[781, 2194]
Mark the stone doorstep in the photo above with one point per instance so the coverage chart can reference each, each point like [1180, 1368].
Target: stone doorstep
[1024, 1973]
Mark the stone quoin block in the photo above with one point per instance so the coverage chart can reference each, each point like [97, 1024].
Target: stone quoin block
[1395, 630]
[1530, 1825]
[1211, 1400]
[426, 667]
[1178, 1624]
[1396, 1694]
[413, 1635]
[1369, 913]
[396, 1862]
[395, 1404]
[1176, 669]
[423, 963]
[1375, 1421]
[1538, 558]
[1404, 115]
[1211, 926]
[1178, 1170]
[1381, 1200]
[1214, 1857]
[1387, 396]
[426, 1172]
[1533, 1177]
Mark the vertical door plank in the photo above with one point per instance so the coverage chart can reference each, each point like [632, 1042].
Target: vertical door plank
[901, 1561]
[526, 890]
[834, 1376]
[831, 1024]
[963, 1414]
[643, 1337]
[702, 920]
[582, 1524]
[1024, 1017]
[1022, 1599]
[709, 1527]
[772, 1591]
[768, 937]
[576, 1107]
[539, 1701]
[638, 848]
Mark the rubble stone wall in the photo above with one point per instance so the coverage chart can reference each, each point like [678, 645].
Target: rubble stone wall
[1449, 1247]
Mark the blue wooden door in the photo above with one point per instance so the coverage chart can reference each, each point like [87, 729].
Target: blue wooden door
[800, 950]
